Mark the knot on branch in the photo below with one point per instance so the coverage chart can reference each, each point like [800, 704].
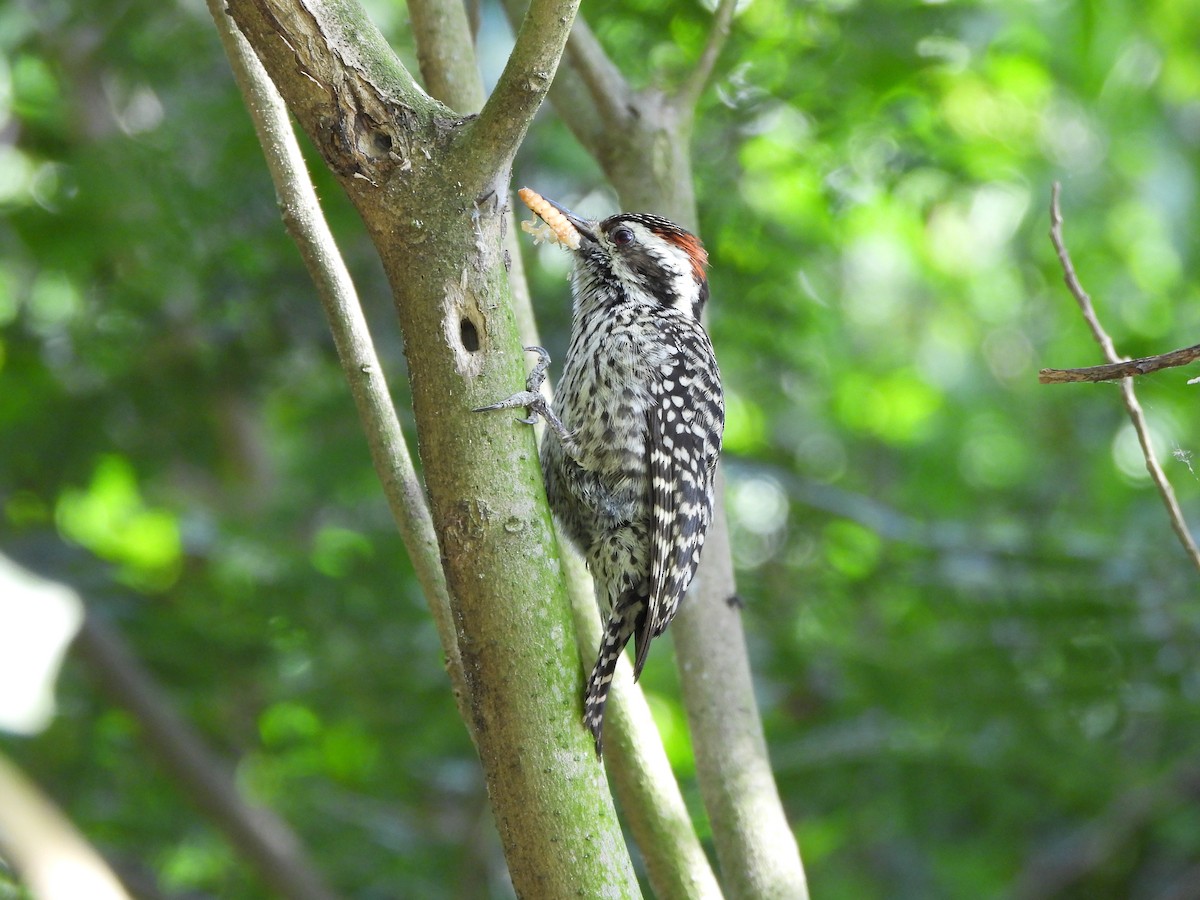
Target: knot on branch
[341, 81]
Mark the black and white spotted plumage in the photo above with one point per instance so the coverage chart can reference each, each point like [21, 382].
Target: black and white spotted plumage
[630, 475]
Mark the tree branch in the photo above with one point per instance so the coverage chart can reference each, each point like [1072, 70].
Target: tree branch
[1072, 280]
[755, 846]
[1062, 863]
[255, 832]
[605, 83]
[446, 53]
[356, 352]
[524, 82]
[689, 92]
[50, 855]
[1125, 369]
[571, 96]
[638, 766]
[1136, 416]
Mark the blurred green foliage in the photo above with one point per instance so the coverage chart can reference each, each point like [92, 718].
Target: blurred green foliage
[975, 637]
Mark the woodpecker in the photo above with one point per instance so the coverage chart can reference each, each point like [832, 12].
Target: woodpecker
[635, 430]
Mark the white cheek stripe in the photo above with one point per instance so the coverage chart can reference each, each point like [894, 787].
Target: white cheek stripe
[685, 290]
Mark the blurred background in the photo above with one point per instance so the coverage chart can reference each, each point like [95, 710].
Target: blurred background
[974, 635]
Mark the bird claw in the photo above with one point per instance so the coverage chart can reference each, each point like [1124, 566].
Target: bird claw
[534, 402]
[530, 398]
[534, 382]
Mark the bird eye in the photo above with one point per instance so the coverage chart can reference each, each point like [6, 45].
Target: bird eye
[622, 236]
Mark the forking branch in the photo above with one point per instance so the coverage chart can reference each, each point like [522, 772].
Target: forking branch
[428, 184]
[1132, 406]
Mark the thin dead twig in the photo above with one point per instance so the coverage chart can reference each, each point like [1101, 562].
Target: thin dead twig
[1143, 365]
[1136, 416]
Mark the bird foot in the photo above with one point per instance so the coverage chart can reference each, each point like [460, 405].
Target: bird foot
[531, 400]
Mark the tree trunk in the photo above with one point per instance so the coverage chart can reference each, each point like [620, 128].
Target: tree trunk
[431, 189]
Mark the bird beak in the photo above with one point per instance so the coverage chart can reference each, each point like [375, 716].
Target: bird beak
[583, 226]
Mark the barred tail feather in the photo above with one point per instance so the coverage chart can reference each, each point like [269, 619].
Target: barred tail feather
[616, 636]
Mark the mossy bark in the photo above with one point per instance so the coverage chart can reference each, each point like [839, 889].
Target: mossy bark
[431, 188]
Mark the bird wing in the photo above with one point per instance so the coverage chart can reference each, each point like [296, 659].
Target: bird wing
[684, 439]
